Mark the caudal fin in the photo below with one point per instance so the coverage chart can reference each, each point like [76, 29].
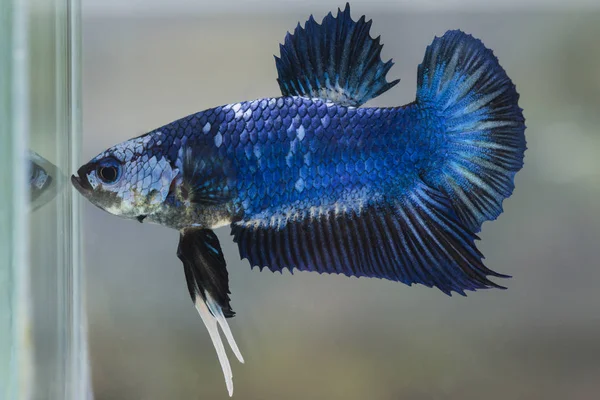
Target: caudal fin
[463, 80]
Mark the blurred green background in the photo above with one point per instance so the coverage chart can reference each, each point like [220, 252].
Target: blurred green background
[309, 336]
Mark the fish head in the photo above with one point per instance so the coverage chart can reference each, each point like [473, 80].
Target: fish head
[131, 179]
[43, 180]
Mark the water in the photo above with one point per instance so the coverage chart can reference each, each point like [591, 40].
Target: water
[307, 335]
[43, 352]
[323, 337]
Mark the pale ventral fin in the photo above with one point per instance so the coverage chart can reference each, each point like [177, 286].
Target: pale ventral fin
[212, 316]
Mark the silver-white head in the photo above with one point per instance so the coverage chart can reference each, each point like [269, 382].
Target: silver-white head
[130, 179]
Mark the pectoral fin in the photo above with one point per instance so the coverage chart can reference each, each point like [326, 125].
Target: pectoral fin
[207, 280]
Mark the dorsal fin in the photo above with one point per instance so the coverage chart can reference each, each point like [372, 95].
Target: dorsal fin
[337, 61]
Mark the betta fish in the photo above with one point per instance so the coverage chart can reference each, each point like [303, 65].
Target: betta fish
[44, 180]
[313, 181]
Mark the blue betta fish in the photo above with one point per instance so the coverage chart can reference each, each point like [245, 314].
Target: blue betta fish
[313, 181]
[44, 180]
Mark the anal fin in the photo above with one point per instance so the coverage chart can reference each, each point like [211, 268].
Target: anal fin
[414, 238]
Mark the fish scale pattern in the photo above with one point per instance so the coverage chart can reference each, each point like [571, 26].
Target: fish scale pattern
[294, 156]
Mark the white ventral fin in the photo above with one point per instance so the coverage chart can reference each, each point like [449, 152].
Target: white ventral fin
[208, 284]
[212, 316]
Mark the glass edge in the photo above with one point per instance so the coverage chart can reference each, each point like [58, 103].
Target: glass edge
[21, 368]
[80, 361]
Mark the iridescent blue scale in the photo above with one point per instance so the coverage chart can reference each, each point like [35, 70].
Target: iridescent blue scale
[311, 153]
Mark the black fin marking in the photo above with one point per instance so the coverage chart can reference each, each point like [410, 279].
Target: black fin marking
[337, 60]
[463, 80]
[141, 218]
[205, 267]
[207, 280]
[418, 239]
[206, 178]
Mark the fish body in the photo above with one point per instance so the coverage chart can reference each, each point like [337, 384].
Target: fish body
[293, 155]
[313, 181]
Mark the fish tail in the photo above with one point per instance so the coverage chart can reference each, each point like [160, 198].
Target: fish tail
[424, 233]
[485, 128]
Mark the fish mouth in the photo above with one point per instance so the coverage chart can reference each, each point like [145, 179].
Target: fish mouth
[80, 181]
[82, 185]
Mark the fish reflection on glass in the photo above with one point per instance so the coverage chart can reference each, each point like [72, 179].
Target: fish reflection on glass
[44, 179]
[315, 182]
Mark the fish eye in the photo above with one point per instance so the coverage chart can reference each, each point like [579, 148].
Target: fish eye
[34, 171]
[108, 173]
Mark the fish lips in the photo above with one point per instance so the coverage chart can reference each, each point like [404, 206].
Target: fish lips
[81, 185]
[80, 181]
